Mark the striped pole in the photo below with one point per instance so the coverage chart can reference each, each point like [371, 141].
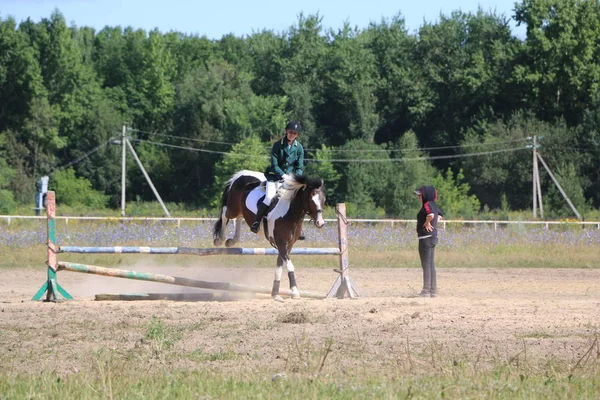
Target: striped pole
[197, 251]
[174, 280]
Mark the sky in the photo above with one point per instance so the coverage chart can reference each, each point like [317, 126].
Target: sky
[214, 18]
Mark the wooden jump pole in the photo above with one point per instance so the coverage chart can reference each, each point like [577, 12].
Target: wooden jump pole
[174, 280]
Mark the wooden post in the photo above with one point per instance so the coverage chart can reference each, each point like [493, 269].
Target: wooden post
[343, 285]
[51, 287]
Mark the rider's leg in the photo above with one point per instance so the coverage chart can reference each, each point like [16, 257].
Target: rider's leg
[262, 207]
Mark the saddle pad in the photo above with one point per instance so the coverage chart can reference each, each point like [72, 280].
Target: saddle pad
[281, 208]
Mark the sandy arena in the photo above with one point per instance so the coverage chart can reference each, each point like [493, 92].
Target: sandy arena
[482, 316]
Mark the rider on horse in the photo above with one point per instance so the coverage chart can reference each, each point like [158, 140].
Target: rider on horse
[287, 156]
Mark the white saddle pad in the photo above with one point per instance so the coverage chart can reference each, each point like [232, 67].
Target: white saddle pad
[279, 211]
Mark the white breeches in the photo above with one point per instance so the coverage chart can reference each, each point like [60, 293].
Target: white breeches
[270, 192]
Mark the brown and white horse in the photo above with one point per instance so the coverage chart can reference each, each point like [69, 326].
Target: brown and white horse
[298, 196]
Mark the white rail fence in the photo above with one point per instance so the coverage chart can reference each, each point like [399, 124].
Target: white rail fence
[496, 223]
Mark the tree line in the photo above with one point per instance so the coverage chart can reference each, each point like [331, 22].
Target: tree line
[384, 110]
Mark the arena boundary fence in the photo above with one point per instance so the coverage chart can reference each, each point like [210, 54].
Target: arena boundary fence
[342, 287]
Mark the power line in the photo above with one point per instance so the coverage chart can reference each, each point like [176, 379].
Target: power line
[346, 150]
[195, 149]
[181, 137]
[82, 157]
[341, 160]
[423, 148]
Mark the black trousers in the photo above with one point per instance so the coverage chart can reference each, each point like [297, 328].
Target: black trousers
[427, 255]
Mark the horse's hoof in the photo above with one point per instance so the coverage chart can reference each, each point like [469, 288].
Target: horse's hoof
[295, 294]
[278, 298]
[229, 243]
[217, 242]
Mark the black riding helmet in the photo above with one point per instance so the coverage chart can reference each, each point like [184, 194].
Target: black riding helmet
[294, 126]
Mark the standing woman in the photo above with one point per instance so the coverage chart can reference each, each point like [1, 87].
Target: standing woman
[427, 220]
[287, 157]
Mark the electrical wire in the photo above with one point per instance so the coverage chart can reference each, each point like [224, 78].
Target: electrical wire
[346, 150]
[339, 160]
[82, 157]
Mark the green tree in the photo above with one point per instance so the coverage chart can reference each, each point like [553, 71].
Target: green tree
[322, 167]
[571, 182]
[7, 174]
[72, 190]
[560, 64]
[249, 154]
[349, 105]
[453, 196]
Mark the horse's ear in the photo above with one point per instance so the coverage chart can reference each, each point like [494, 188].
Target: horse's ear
[322, 183]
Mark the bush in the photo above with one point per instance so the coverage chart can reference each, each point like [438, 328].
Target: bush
[72, 191]
[7, 202]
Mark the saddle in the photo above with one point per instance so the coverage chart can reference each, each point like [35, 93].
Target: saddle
[278, 208]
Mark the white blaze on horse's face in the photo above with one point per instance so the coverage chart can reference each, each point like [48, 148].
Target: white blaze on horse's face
[319, 221]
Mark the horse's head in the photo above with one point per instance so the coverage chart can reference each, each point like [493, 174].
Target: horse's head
[311, 195]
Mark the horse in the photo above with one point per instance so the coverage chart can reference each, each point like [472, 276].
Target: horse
[298, 196]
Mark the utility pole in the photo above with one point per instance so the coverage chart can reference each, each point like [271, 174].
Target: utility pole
[537, 187]
[124, 144]
[135, 156]
[123, 156]
[535, 177]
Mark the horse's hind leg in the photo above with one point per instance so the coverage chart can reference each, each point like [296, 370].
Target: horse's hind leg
[239, 221]
[220, 229]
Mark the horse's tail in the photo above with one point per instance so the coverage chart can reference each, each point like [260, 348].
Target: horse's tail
[218, 228]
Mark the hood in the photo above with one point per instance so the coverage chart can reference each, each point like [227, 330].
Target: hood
[429, 193]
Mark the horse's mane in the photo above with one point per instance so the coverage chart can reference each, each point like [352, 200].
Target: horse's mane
[293, 183]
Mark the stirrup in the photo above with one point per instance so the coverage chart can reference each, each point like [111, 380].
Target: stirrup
[255, 226]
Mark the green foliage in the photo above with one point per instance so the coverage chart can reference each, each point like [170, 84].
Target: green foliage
[249, 154]
[453, 196]
[71, 190]
[7, 202]
[555, 205]
[321, 166]
[370, 97]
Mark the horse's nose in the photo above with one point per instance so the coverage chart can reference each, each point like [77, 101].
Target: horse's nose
[319, 222]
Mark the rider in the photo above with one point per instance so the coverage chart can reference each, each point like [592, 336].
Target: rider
[287, 156]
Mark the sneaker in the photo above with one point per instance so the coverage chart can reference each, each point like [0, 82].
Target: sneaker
[425, 294]
[433, 294]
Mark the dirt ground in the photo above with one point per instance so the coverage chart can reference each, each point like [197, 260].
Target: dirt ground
[482, 316]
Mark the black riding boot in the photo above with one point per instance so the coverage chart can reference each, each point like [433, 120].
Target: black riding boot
[260, 213]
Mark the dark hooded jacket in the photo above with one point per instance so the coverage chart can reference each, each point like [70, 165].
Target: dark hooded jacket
[429, 196]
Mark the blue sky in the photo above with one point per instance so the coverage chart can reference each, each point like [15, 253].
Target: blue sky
[241, 17]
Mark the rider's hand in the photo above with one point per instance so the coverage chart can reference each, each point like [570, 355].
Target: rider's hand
[284, 177]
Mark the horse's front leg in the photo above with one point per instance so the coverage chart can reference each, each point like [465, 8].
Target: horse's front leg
[284, 259]
[277, 280]
[237, 232]
[292, 277]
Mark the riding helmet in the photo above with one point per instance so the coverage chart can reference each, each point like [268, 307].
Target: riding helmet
[294, 126]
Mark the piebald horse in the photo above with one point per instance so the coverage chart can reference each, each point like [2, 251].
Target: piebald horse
[298, 196]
